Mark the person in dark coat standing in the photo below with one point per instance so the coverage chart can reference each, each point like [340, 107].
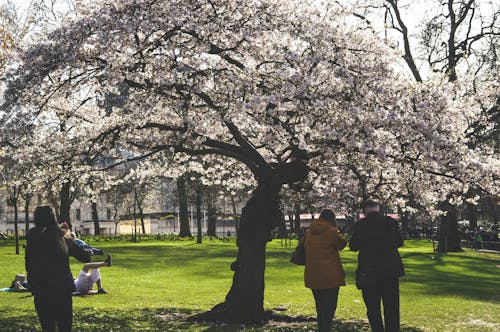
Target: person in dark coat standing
[49, 275]
[377, 238]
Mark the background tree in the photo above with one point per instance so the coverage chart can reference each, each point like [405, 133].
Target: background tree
[184, 229]
[456, 41]
[116, 196]
[13, 186]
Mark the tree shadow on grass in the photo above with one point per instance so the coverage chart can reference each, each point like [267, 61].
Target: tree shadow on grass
[285, 323]
[171, 319]
[25, 321]
[463, 275]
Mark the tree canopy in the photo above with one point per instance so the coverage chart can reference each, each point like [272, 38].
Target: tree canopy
[264, 82]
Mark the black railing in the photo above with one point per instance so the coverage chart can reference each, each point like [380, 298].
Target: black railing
[487, 245]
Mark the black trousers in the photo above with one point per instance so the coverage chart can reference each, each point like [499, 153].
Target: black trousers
[326, 305]
[387, 291]
[55, 309]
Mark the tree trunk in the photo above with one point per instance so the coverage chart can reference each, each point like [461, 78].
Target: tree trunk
[291, 222]
[183, 208]
[141, 214]
[448, 233]
[405, 220]
[282, 233]
[16, 229]
[135, 221]
[244, 302]
[116, 220]
[65, 206]
[235, 214]
[493, 210]
[27, 200]
[95, 219]
[297, 219]
[212, 215]
[56, 202]
[472, 212]
[198, 216]
[135, 228]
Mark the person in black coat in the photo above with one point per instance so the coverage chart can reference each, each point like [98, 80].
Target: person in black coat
[377, 238]
[49, 275]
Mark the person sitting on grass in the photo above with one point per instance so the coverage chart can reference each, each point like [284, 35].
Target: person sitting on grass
[19, 284]
[90, 275]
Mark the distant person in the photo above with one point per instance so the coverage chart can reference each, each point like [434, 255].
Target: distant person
[495, 234]
[79, 242]
[19, 284]
[478, 238]
[379, 266]
[82, 244]
[323, 269]
[49, 275]
[90, 275]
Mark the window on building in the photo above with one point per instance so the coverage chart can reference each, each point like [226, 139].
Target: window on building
[108, 214]
[78, 214]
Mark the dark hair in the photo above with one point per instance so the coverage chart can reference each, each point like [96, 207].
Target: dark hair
[44, 218]
[329, 215]
[369, 203]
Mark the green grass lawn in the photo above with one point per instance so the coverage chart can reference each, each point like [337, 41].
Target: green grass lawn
[155, 285]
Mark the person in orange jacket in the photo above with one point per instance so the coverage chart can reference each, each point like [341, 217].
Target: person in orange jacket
[323, 269]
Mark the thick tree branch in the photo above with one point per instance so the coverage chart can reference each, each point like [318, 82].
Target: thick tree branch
[406, 40]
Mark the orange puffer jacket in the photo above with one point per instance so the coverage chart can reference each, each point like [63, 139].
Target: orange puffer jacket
[323, 268]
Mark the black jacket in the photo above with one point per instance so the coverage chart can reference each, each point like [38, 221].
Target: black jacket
[47, 266]
[377, 238]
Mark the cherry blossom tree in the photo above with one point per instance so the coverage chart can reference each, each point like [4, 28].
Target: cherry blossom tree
[455, 42]
[289, 91]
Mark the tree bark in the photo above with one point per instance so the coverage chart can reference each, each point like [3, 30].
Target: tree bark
[138, 202]
[290, 221]
[297, 219]
[472, 212]
[16, 230]
[406, 40]
[95, 219]
[65, 206]
[116, 219]
[212, 215]
[27, 200]
[448, 233]
[235, 214]
[405, 220]
[493, 210]
[244, 302]
[199, 238]
[183, 208]
[141, 216]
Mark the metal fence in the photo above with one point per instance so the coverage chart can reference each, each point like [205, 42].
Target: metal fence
[487, 245]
